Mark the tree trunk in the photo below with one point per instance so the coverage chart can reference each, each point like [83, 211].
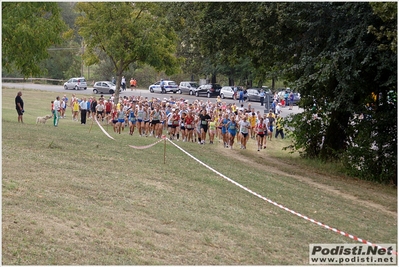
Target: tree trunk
[118, 86]
[334, 140]
[213, 78]
[231, 81]
[273, 84]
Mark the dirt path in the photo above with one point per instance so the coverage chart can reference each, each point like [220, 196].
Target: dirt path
[271, 162]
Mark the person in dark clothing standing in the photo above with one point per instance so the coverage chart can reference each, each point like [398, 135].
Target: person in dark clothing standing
[93, 108]
[262, 97]
[162, 84]
[19, 105]
[83, 110]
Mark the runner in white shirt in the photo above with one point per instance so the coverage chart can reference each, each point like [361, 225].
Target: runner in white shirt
[100, 110]
[56, 109]
[244, 128]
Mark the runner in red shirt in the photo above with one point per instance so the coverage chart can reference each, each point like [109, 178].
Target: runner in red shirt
[189, 124]
[175, 123]
[108, 109]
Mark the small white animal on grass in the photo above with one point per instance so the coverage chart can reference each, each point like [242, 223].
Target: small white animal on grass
[43, 119]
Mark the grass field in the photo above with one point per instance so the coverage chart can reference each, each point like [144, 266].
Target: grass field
[70, 197]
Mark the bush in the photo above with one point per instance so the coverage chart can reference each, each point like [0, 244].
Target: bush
[307, 129]
[371, 152]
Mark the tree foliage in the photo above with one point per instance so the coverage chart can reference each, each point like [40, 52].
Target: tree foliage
[388, 12]
[329, 54]
[127, 33]
[339, 66]
[28, 30]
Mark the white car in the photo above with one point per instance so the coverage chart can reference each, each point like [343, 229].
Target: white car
[104, 87]
[228, 91]
[169, 86]
[76, 83]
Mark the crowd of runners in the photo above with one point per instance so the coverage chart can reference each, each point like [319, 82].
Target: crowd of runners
[200, 121]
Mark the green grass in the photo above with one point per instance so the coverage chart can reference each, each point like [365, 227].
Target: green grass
[74, 197]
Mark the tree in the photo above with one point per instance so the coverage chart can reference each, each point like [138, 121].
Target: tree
[127, 33]
[183, 17]
[338, 65]
[388, 12]
[234, 39]
[28, 30]
[65, 59]
[329, 53]
[208, 37]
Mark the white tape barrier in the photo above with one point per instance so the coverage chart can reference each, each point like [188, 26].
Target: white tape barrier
[102, 129]
[281, 206]
[256, 194]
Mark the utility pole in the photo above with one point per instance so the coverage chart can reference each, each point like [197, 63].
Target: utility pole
[81, 58]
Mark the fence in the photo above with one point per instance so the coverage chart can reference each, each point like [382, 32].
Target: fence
[33, 80]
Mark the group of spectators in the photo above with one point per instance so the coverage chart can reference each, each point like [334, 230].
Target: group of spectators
[179, 119]
[287, 99]
[133, 83]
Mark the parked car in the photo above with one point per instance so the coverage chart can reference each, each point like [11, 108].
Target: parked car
[76, 83]
[211, 89]
[228, 91]
[104, 87]
[188, 87]
[253, 95]
[297, 96]
[170, 86]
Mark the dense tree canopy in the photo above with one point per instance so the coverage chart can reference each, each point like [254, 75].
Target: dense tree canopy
[28, 30]
[333, 54]
[126, 33]
[387, 11]
[339, 66]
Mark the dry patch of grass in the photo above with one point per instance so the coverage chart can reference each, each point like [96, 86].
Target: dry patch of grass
[74, 197]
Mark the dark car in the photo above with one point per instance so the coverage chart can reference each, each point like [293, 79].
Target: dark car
[253, 95]
[211, 89]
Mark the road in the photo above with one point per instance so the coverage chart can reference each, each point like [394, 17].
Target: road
[59, 90]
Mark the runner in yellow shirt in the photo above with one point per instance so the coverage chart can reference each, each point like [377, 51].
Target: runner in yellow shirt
[75, 110]
[234, 108]
[212, 130]
[252, 121]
